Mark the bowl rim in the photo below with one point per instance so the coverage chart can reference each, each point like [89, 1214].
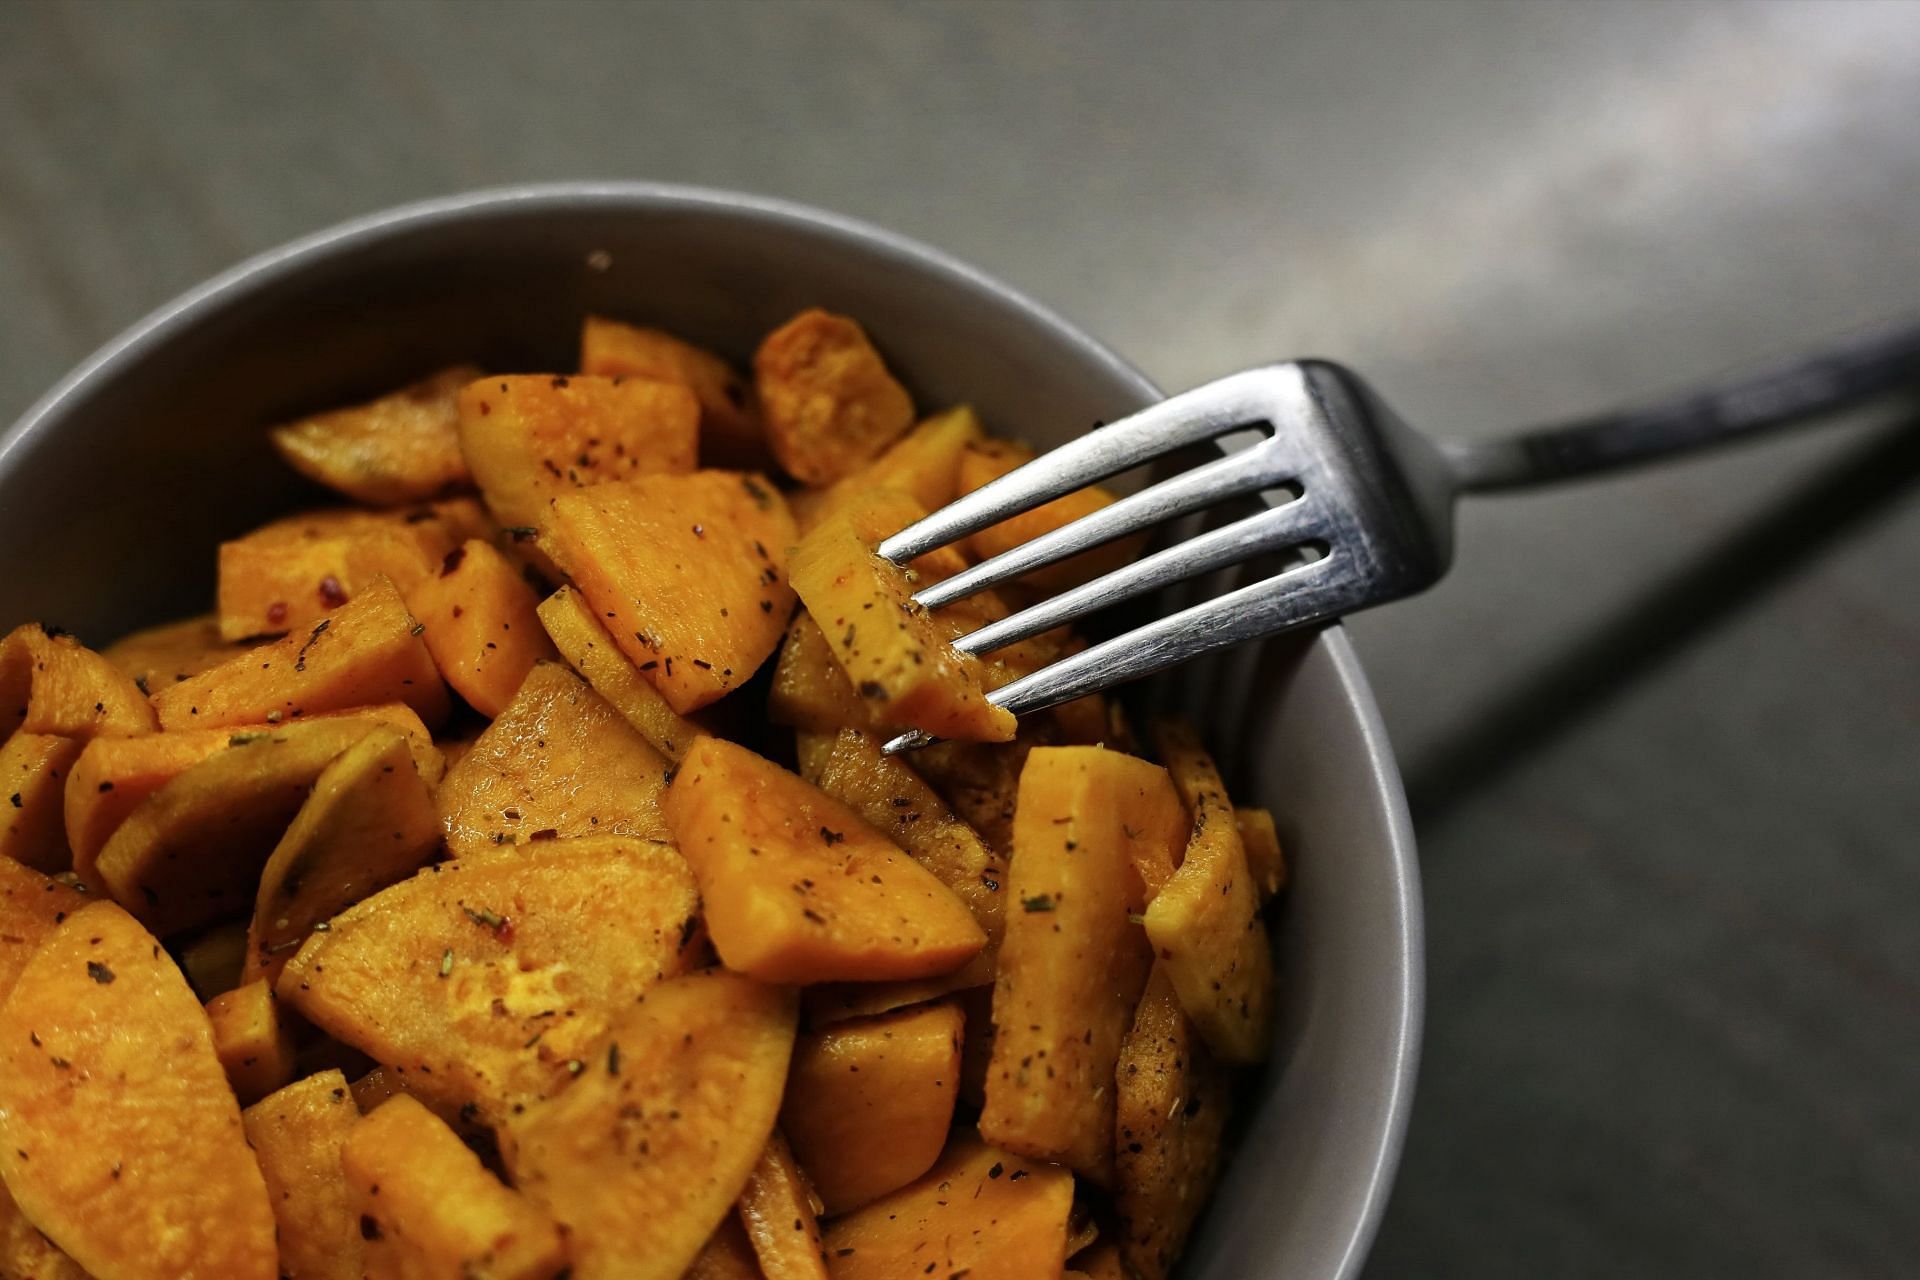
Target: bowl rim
[263, 270]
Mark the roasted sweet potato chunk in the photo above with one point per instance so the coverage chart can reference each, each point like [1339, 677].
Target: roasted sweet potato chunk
[26, 1254]
[31, 905]
[296, 1135]
[989, 460]
[688, 573]
[1205, 924]
[531, 438]
[646, 1151]
[558, 762]
[781, 1213]
[287, 575]
[829, 403]
[980, 1212]
[588, 648]
[481, 980]
[810, 691]
[365, 653]
[171, 652]
[252, 1039]
[1072, 963]
[727, 1256]
[924, 463]
[797, 888]
[481, 629]
[33, 776]
[402, 447]
[53, 684]
[868, 1102]
[99, 1040]
[730, 430]
[1261, 840]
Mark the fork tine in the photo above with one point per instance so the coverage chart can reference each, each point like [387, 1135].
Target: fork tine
[1230, 477]
[1204, 413]
[1279, 527]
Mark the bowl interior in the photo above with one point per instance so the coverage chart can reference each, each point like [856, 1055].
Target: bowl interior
[114, 490]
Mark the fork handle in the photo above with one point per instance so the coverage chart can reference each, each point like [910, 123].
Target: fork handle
[1843, 376]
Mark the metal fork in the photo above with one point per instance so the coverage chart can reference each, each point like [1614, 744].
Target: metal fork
[1366, 500]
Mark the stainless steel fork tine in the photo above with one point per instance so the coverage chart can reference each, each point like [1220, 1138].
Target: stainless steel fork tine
[1275, 529]
[1249, 471]
[1205, 413]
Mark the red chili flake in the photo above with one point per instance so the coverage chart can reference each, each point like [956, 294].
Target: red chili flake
[332, 594]
[277, 613]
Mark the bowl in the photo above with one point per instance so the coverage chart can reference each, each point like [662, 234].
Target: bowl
[115, 487]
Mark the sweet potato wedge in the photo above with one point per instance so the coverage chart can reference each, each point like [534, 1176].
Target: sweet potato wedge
[365, 653]
[797, 888]
[687, 572]
[296, 1135]
[644, 1154]
[924, 463]
[829, 403]
[811, 751]
[156, 657]
[727, 1256]
[781, 1212]
[287, 575]
[989, 460]
[369, 822]
[558, 762]
[53, 684]
[980, 1212]
[810, 691]
[192, 851]
[1072, 963]
[1265, 859]
[100, 1037]
[868, 1103]
[33, 776]
[1205, 924]
[31, 906]
[584, 642]
[252, 1039]
[531, 438]
[478, 611]
[730, 431]
[26, 1254]
[479, 981]
[402, 447]
[1172, 1106]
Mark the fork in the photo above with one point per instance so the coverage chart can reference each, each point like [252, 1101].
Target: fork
[1362, 501]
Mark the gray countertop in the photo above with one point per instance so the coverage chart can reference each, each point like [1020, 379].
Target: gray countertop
[1663, 731]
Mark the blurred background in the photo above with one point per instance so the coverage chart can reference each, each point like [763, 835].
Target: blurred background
[1662, 733]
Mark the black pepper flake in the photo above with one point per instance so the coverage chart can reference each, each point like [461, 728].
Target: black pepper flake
[832, 837]
[521, 532]
[766, 606]
[757, 492]
[105, 787]
[452, 561]
[369, 1228]
[99, 972]
[1039, 902]
[15, 797]
[613, 1058]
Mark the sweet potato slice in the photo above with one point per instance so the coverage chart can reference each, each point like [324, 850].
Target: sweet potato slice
[531, 438]
[122, 1140]
[252, 1039]
[26, 1254]
[479, 981]
[429, 1210]
[481, 629]
[644, 1154]
[192, 851]
[363, 654]
[296, 1135]
[1172, 1106]
[781, 1212]
[868, 1103]
[688, 572]
[924, 463]
[1265, 859]
[369, 822]
[829, 403]
[797, 888]
[810, 691]
[980, 1212]
[1072, 963]
[897, 655]
[33, 776]
[402, 447]
[991, 459]
[588, 648]
[1205, 924]
[730, 430]
[31, 906]
[53, 684]
[156, 657]
[558, 761]
[287, 575]
[727, 1256]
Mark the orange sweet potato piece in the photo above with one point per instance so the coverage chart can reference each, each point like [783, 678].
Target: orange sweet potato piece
[31, 906]
[123, 1142]
[1265, 859]
[365, 653]
[730, 430]
[692, 570]
[781, 1213]
[810, 691]
[1172, 1106]
[1072, 963]
[402, 447]
[252, 1039]
[644, 1154]
[287, 575]
[797, 888]
[369, 822]
[980, 1212]
[429, 1210]
[811, 752]
[868, 1103]
[588, 648]
[991, 459]
[192, 851]
[531, 438]
[727, 1256]
[33, 776]
[156, 657]
[296, 1135]
[26, 1254]
[480, 980]
[53, 684]
[829, 402]
[558, 761]
[1205, 924]
[481, 628]
[924, 463]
